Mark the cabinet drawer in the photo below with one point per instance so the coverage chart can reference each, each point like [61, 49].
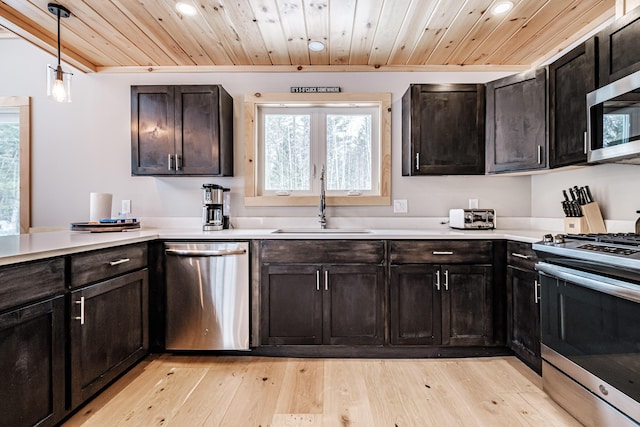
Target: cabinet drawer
[23, 283]
[323, 251]
[521, 255]
[89, 267]
[441, 252]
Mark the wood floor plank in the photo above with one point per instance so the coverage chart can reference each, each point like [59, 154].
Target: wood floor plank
[345, 400]
[255, 399]
[183, 390]
[208, 403]
[302, 388]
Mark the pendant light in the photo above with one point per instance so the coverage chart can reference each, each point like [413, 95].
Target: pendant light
[58, 81]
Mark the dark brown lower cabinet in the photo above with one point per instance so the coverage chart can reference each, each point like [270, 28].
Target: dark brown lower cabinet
[523, 328]
[32, 364]
[108, 332]
[322, 304]
[441, 305]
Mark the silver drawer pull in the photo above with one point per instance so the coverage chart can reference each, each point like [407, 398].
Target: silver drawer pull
[517, 255]
[81, 317]
[442, 252]
[120, 261]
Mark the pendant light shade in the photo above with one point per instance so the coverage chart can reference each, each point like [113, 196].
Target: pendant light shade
[58, 81]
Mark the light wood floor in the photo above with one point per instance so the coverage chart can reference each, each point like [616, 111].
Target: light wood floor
[169, 390]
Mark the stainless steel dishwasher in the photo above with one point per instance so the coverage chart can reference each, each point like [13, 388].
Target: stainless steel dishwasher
[207, 296]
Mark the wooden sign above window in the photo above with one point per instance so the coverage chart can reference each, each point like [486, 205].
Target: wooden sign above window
[315, 89]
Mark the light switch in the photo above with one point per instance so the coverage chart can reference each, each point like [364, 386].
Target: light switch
[126, 207]
[400, 206]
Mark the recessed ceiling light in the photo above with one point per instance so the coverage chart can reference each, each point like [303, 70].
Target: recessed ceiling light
[316, 46]
[186, 9]
[502, 7]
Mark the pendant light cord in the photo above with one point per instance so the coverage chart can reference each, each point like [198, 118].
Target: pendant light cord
[58, 36]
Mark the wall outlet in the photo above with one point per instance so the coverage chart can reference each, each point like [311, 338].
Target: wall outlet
[473, 204]
[400, 206]
[126, 207]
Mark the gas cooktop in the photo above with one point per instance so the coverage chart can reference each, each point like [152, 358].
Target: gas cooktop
[612, 249]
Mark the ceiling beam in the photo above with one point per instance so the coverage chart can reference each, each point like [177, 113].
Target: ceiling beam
[38, 36]
[311, 68]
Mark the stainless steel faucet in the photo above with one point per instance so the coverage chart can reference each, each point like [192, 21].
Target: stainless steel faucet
[323, 204]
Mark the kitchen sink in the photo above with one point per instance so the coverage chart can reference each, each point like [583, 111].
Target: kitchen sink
[321, 231]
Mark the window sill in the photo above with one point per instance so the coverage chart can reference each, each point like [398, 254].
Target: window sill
[315, 200]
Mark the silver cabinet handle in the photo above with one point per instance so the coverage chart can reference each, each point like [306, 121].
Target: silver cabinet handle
[326, 280]
[170, 162]
[517, 255]
[442, 252]
[586, 142]
[446, 280]
[81, 317]
[438, 280]
[417, 161]
[539, 154]
[120, 261]
[536, 294]
[317, 280]
[178, 162]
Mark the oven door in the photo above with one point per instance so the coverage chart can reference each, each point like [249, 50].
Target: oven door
[590, 330]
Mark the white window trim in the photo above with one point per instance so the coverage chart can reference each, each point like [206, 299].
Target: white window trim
[254, 101]
[24, 105]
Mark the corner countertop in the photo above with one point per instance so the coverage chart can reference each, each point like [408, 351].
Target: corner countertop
[29, 247]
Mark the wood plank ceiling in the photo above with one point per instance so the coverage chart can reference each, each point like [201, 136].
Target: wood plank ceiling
[265, 35]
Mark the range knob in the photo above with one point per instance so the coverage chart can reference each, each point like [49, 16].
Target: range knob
[559, 238]
[547, 239]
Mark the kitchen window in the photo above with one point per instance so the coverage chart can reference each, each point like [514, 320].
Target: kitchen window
[291, 137]
[14, 165]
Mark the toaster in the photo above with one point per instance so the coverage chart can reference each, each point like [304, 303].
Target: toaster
[472, 219]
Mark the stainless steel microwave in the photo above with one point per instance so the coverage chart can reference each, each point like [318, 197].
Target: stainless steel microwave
[613, 122]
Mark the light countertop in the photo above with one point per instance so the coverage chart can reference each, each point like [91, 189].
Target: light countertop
[27, 247]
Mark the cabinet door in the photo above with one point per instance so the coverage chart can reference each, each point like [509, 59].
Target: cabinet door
[618, 50]
[353, 304]
[197, 130]
[467, 315]
[291, 306]
[32, 365]
[523, 316]
[152, 130]
[570, 79]
[108, 332]
[516, 123]
[443, 130]
[415, 305]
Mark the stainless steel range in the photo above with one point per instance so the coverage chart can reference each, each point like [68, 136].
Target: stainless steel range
[590, 325]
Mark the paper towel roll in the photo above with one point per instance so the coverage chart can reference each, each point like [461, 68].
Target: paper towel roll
[99, 206]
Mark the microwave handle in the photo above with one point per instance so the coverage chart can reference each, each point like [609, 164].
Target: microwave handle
[586, 142]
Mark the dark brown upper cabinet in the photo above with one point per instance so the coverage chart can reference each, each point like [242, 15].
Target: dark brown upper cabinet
[443, 129]
[516, 123]
[181, 130]
[618, 50]
[570, 79]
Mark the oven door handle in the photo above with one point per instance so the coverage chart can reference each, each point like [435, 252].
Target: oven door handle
[617, 288]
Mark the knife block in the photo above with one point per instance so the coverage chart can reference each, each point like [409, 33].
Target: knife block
[591, 212]
[576, 225]
[590, 222]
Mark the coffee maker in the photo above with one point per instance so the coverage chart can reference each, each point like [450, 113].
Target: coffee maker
[212, 207]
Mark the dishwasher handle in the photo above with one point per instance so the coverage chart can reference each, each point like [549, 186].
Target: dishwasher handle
[205, 252]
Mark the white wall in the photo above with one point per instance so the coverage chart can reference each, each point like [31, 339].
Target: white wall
[614, 187]
[84, 146]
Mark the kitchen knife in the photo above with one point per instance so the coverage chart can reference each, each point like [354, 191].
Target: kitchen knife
[565, 208]
[589, 196]
[578, 194]
[573, 195]
[564, 193]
